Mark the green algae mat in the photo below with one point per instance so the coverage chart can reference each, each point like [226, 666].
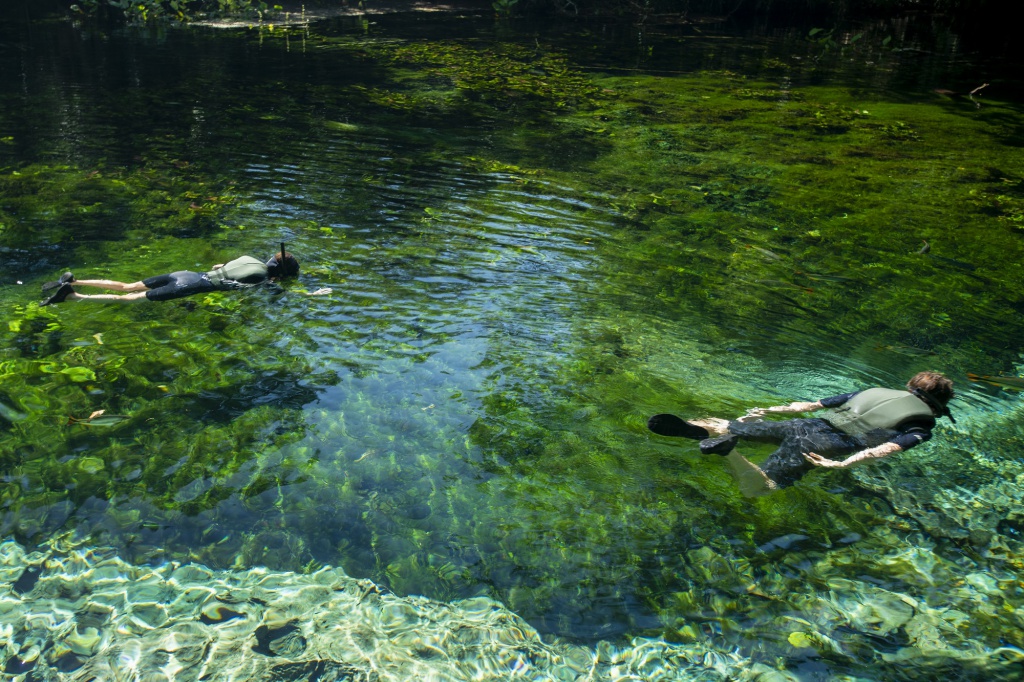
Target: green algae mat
[536, 237]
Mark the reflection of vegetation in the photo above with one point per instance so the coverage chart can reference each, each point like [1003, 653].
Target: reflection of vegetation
[145, 10]
[504, 8]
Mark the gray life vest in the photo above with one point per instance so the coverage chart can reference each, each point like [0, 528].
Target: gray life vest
[245, 270]
[878, 409]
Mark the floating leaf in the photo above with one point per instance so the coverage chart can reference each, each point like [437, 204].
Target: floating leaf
[800, 640]
[91, 465]
[104, 420]
[79, 374]
[338, 125]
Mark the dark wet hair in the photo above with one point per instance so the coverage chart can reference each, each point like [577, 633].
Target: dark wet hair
[283, 264]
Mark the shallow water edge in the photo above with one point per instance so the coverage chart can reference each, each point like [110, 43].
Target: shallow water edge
[83, 613]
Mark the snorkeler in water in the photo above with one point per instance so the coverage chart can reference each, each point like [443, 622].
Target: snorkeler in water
[239, 273]
[859, 427]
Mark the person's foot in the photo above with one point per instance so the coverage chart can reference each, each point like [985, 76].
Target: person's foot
[671, 425]
[66, 278]
[713, 425]
[721, 445]
[62, 293]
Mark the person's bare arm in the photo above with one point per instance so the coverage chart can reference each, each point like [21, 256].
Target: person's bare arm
[883, 450]
[783, 409]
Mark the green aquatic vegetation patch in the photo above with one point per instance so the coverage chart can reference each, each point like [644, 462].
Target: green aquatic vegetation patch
[63, 205]
[190, 414]
[1002, 199]
[499, 72]
[811, 205]
[473, 77]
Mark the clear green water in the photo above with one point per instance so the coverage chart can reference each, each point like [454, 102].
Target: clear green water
[534, 242]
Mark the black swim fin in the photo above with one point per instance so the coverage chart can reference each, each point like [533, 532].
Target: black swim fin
[66, 278]
[59, 297]
[671, 425]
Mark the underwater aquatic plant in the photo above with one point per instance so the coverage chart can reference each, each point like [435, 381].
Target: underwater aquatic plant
[1012, 382]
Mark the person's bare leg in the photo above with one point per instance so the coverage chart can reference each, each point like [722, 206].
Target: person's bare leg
[110, 284]
[714, 425]
[750, 478]
[125, 298]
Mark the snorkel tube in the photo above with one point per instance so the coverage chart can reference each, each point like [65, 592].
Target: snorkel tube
[278, 265]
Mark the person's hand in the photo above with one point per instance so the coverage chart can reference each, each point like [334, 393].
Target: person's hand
[320, 292]
[819, 461]
[754, 413]
[217, 266]
[759, 412]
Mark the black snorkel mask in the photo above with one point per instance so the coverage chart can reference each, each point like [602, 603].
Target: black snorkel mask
[936, 406]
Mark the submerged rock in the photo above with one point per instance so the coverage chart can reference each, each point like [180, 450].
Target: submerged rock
[326, 625]
[215, 612]
[85, 641]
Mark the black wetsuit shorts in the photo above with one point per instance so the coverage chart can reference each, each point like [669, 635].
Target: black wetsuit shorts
[177, 285]
[794, 437]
